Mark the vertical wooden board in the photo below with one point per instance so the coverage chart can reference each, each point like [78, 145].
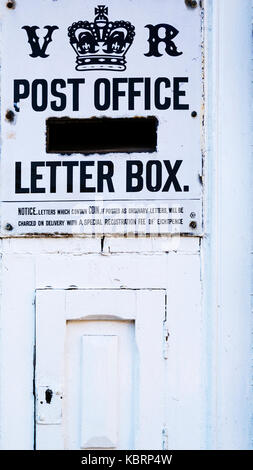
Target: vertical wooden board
[149, 339]
[73, 421]
[99, 391]
[49, 369]
[50, 329]
[227, 271]
[185, 384]
[233, 226]
[16, 352]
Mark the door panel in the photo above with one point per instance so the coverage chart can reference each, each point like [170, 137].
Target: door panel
[99, 369]
[99, 384]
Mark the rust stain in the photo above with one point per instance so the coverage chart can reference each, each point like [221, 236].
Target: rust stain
[11, 135]
[85, 236]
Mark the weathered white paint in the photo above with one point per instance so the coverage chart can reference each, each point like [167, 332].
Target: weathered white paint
[49, 410]
[97, 413]
[225, 257]
[100, 391]
[132, 270]
[208, 393]
[118, 396]
[24, 144]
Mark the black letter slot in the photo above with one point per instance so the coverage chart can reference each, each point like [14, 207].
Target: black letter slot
[101, 135]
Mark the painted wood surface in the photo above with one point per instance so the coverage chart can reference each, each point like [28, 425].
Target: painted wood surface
[208, 391]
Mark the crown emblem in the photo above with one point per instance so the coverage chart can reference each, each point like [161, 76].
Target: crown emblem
[102, 44]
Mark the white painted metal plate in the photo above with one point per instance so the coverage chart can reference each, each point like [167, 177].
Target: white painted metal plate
[49, 405]
[79, 60]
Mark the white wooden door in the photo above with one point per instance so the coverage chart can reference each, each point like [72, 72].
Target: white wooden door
[99, 374]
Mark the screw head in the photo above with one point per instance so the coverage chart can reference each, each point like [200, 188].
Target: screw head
[8, 227]
[11, 4]
[193, 215]
[193, 224]
[194, 114]
[191, 3]
[10, 115]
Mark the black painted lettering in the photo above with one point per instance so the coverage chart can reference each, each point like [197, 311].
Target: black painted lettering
[177, 92]
[76, 82]
[70, 166]
[155, 38]
[172, 179]
[166, 101]
[153, 175]
[42, 85]
[84, 176]
[53, 166]
[147, 93]
[97, 94]
[134, 171]
[35, 177]
[21, 91]
[116, 93]
[63, 101]
[33, 39]
[132, 92]
[18, 186]
[105, 173]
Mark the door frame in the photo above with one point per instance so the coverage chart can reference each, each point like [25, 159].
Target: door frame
[141, 305]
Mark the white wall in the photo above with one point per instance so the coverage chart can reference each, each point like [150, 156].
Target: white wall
[226, 260]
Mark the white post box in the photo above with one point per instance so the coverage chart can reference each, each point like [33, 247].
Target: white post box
[125, 225]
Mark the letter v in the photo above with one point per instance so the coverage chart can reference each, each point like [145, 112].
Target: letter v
[33, 40]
